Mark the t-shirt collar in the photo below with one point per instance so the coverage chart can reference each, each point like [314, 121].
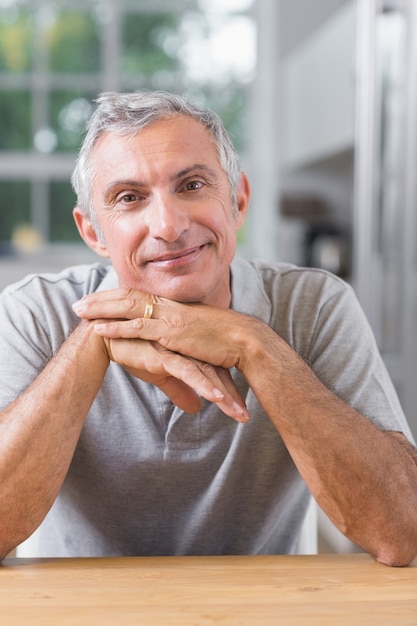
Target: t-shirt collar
[248, 292]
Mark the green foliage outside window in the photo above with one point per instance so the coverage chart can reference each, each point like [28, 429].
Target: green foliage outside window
[15, 120]
[143, 36]
[14, 207]
[52, 67]
[68, 113]
[73, 42]
[62, 201]
[16, 40]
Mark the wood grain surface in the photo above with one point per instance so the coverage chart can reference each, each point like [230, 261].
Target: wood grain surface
[239, 590]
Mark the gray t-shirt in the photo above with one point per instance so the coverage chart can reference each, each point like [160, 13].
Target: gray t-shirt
[149, 479]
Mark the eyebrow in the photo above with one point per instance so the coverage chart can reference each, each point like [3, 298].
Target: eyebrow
[130, 182]
[191, 168]
[124, 182]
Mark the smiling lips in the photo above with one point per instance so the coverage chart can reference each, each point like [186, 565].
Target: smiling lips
[174, 259]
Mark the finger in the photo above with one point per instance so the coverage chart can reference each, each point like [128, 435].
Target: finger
[155, 364]
[116, 303]
[179, 393]
[206, 381]
[229, 385]
[126, 329]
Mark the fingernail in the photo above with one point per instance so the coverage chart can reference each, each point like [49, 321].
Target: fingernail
[242, 411]
[218, 394]
[77, 306]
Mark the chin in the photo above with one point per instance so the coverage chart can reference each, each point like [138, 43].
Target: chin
[186, 296]
[186, 289]
[170, 289]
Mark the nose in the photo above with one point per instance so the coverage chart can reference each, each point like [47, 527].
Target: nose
[166, 217]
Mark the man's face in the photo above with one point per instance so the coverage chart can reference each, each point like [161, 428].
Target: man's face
[164, 208]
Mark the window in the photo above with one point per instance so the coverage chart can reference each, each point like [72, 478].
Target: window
[56, 56]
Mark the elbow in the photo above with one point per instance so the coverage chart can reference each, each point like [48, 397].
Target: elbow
[395, 559]
[395, 546]
[6, 550]
[9, 542]
[398, 554]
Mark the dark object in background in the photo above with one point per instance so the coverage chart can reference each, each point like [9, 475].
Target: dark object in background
[328, 247]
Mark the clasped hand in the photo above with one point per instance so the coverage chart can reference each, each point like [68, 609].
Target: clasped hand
[184, 349]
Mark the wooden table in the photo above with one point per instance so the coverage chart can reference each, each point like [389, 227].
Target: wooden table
[289, 590]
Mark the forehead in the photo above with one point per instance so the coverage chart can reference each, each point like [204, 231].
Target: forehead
[178, 139]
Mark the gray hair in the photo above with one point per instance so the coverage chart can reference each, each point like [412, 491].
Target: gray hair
[126, 114]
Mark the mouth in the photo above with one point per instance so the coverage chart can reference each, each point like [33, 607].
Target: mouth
[177, 258]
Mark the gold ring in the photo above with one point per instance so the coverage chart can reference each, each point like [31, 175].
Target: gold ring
[148, 310]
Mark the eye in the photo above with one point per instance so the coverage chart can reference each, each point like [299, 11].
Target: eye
[128, 198]
[193, 185]
[128, 201]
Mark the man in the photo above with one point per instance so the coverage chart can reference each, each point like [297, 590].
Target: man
[182, 400]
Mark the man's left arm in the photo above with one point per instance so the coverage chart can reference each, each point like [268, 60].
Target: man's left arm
[364, 478]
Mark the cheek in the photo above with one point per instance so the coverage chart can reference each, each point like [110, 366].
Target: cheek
[225, 231]
[120, 233]
[227, 227]
[219, 215]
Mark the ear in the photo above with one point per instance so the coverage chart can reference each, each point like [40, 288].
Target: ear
[88, 233]
[242, 196]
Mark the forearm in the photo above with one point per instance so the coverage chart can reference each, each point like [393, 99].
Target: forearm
[362, 477]
[39, 432]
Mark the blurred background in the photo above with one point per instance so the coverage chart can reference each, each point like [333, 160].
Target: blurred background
[320, 98]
